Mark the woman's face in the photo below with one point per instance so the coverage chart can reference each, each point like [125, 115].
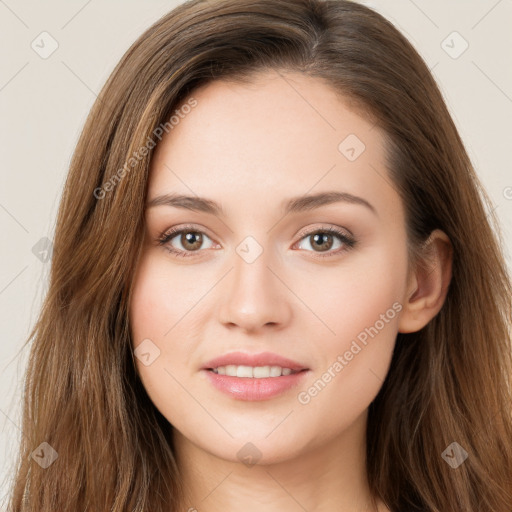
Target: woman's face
[265, 277]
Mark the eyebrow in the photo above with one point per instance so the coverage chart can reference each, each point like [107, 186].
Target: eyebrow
[293, 205]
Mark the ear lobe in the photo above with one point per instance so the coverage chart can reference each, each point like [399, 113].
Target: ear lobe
[428, 283]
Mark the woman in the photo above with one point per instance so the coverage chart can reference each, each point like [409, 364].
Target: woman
[275, 283]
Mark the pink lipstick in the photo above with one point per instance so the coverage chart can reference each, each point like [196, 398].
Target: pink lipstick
[254, 376]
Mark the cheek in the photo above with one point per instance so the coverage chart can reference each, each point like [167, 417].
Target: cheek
[147, 307]
[352, 297]
[361, 309]
[154, 321]
[161, 298]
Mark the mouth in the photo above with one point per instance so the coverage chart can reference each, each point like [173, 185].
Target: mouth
[243, 364]
[253, 372]
[254, 376]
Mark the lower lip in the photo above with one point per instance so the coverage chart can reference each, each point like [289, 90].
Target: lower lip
[246, 388]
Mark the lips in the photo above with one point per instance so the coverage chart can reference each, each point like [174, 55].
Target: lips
[254, 360]
[254, 386]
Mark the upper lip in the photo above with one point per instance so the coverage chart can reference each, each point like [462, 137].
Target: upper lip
[261, 359]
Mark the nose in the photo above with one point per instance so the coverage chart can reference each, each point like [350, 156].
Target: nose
[255, 296]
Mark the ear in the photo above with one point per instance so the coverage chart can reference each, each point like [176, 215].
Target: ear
[427, 284]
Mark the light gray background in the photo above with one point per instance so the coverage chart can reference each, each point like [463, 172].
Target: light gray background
[44, 102]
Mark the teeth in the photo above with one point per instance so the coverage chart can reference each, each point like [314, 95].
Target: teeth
[256, 372]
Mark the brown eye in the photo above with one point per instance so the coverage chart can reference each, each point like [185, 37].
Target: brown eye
[183, 242]
[323, 241]
[191, 240]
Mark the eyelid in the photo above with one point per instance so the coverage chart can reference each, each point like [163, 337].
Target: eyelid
[327, 228]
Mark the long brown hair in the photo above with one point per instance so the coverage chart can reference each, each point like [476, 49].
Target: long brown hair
[448, 383]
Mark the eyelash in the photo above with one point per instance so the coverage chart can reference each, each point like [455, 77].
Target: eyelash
[164, 239]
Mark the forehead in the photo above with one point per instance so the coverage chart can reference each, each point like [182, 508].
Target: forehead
[282, 134]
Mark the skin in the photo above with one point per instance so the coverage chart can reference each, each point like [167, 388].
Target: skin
[249, 148]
